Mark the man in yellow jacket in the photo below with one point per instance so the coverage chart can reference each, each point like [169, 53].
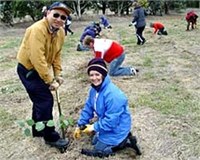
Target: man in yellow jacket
[39, 53]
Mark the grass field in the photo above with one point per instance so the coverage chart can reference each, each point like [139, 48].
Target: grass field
[164, 97]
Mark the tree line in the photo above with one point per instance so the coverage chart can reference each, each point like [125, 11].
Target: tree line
[20, 8]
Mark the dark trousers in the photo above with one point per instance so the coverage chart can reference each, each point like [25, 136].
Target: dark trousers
[192, 23]
[42, 100]
[162, 31]
[139, 34]
[67, 29]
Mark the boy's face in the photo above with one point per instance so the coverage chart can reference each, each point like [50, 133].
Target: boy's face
[56, 17]
[95, 77]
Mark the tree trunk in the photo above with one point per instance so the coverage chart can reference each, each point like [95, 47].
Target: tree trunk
[166, 7]
[104, 8]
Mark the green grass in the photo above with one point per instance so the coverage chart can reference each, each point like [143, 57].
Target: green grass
[6, 118]
[148, 76]
[8, 64]
[10, 86]
[170, 99]
[148, 61]
[9, 89]
[8, 49]
[10, 43]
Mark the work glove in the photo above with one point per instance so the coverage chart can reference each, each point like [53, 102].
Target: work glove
[132, 24]
[89, 129]
[60, 80]
[54, 86]
[77, 133]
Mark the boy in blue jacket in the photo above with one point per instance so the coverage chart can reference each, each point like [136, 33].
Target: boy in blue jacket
[91, 30]
[104, 21]
[109, 105]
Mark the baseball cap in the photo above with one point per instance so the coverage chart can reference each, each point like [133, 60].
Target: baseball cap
[61, 6]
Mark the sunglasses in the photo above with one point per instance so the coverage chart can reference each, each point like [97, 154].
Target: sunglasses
[57, 15]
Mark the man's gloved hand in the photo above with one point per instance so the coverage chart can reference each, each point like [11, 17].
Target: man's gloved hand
[60, 80]
[77, 133]
[54, 86]
[89, 128]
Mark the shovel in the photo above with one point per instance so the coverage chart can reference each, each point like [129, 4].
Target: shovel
[60, 112]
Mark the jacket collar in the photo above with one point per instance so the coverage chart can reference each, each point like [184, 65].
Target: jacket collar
[51, 30]
[105, 82]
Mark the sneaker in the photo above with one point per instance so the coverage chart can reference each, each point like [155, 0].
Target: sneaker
[138, 43]
[134, 145]
[134, 71]
[78, 48]
[95, 153]
[36, 133]
[143, 42]
[60, 143]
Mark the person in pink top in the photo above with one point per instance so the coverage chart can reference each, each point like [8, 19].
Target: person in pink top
[158, 28]
[113, 53]
[191, 18]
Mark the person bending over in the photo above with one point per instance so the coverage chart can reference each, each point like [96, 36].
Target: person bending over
[158, 28]
[113, 53]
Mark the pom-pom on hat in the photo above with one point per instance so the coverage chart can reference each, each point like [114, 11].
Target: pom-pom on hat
[97, 64]
[61, 6]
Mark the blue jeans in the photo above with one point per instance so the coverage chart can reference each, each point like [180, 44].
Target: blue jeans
[81, 47]
[117, 70]
[100, 146]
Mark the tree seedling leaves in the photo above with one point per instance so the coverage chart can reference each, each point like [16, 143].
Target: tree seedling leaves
[30, 122]
[39, 126]
[61, 117]
[27, 132]
[65, 122]
[21, 123]
[71, 121]
[50, 123]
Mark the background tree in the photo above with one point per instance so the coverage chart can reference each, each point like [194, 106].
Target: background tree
[31, 8]
[6, 12]
[20, 8]
[119, 7]
[78, 6]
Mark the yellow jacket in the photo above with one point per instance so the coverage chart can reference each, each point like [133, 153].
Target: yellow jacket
[41, 50]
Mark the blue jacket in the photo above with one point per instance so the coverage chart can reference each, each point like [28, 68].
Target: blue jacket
[89, 32]
[112, 110]
[139, 17]
[104, 21]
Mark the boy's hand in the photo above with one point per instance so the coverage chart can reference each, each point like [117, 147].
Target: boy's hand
[89, 129]
[77, 133]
